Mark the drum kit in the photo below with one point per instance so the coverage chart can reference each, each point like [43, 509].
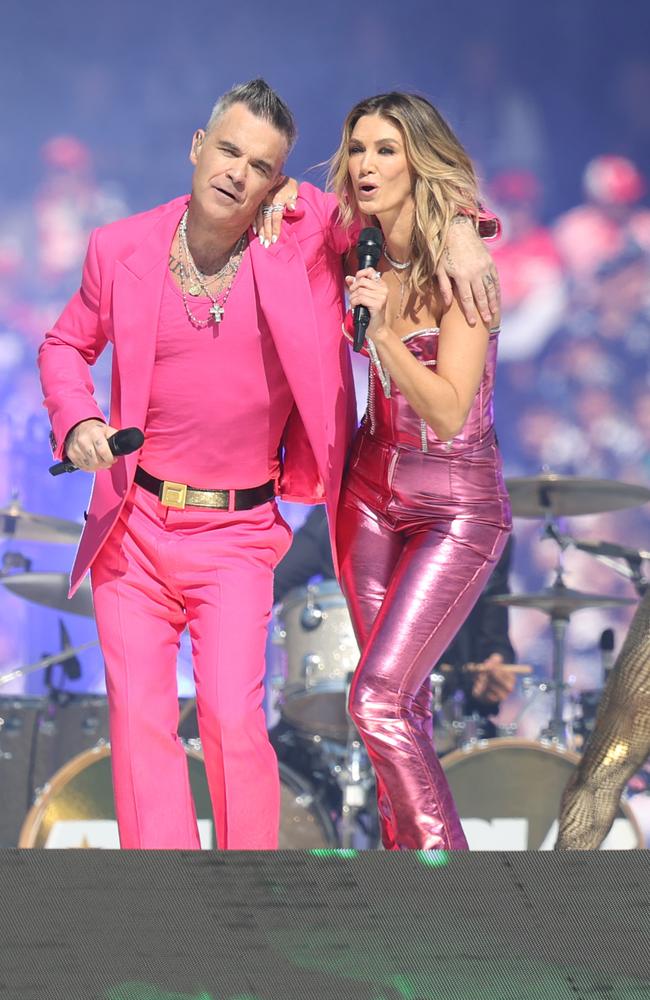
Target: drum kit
[507, 789]
[45, 589]
[68, 794]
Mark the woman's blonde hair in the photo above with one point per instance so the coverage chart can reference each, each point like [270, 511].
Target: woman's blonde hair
[445, 183]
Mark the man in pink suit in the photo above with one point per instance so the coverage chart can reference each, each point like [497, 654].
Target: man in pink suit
[228, 354]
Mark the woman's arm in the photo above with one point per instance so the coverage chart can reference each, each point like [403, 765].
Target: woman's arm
[442, 398]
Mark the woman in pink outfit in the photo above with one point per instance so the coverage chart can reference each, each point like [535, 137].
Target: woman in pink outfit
[424, 513]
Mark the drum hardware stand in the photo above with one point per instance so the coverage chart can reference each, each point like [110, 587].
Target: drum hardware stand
[46, 661]
[441, 720]
[623, 560]
[556, 732]
[312, 615]
[353, 778]
[437, 685]
[11, 560]
[532, 689]
[15, 560]
[4, 754]
[352, 781]
[469, 727]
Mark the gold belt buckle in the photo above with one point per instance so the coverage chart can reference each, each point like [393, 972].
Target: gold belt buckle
[173, 494]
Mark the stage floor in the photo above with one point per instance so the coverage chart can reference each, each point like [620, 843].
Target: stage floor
[105, 925]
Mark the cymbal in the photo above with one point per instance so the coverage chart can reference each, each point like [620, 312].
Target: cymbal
[17, 523]
[566, 496]
[51, 590]
[559, 601]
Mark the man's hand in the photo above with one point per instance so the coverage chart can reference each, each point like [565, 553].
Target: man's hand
[467, 263]
[268, 221]
[86, 445]
[494, 681]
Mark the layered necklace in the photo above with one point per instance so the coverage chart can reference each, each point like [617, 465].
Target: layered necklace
[398, 265]
[199, 282]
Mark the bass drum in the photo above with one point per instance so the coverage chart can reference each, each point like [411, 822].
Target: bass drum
[508, 796]
[76, 807]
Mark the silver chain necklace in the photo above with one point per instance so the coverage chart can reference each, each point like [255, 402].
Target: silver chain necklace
[397, 264]
[200, 281]
[403, 285]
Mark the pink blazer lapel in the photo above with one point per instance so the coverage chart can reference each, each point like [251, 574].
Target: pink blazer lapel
[137, 293]
[286, 301]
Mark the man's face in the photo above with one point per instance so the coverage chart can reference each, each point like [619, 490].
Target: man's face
[236, 164]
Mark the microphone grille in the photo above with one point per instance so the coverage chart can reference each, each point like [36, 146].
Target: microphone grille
[370, 244]
[371, 235]
[128, 440]
[607, 641]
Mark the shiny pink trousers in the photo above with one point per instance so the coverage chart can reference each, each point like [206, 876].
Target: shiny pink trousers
[160, 570]
[418, 536]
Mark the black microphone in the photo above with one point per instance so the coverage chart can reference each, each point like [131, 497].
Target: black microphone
[368, 254]
[606, 645]
[71, 665]
[120, 443]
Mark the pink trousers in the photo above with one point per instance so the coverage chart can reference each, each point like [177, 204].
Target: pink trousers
[160, 570]
[418, 536]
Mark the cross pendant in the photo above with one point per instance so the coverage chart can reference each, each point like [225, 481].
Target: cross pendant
[217, 312]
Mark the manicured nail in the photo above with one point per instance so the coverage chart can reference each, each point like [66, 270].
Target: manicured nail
[274, 239]
[262, 238]
[267, 243]
[255, 229]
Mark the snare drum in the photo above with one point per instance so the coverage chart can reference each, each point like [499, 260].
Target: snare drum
[508, 793]
[76, 808]
[314, 633]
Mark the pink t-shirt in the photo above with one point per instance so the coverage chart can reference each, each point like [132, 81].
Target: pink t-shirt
[219, 396]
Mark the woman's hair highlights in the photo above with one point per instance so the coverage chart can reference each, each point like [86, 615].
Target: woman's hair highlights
[445, 183]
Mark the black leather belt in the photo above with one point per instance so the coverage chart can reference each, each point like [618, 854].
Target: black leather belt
[179, 495]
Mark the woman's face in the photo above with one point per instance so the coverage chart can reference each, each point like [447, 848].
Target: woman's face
[381, 177]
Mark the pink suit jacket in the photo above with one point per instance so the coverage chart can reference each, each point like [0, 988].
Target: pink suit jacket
[299, 283]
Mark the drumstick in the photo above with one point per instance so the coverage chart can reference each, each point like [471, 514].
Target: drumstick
[477, 668]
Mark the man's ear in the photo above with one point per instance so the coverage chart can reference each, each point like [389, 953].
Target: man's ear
[197, 142]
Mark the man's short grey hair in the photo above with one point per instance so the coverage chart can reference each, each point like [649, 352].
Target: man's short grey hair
[262, 101]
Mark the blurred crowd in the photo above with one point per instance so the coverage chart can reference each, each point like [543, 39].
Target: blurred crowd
[573, 381]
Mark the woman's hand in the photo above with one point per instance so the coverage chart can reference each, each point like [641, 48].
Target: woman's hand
[268, 221]
[467, 263]
[366, 288]
[87, 448]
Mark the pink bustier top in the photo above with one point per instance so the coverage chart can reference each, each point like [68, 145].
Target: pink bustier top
[390, 418]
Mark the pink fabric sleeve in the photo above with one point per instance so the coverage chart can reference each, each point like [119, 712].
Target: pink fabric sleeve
[70, 347]
[337, 237]
[489, 225]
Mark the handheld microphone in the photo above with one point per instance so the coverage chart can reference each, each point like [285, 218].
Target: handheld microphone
[71, 665]
[121, 443]
[368, 254]
[606, 645]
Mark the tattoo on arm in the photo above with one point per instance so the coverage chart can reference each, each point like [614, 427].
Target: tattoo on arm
[459, 220]
[450, 267]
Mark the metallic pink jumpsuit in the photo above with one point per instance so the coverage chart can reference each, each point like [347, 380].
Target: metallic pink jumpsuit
[421, 524]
